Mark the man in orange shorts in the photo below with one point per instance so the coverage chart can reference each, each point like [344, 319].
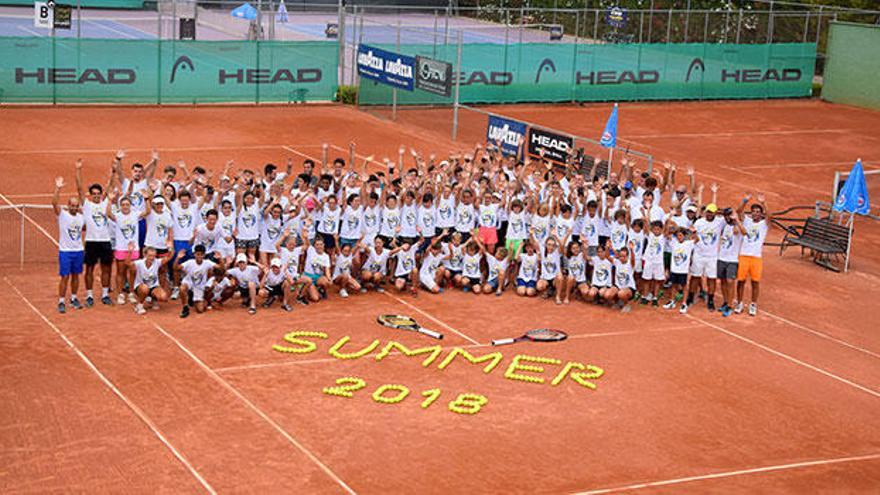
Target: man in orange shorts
[754, 229]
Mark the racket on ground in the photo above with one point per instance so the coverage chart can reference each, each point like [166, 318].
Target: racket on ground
[401, 322]
[536, 335]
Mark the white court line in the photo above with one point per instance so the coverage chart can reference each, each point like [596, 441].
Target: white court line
[742, 133]
[244, 367]
[800, 165]
[184, 148]
[728, 474]
[259, 412]
[30, 31]
[820, 334]
[108, 28]
[763, 177]
[787, 357]
[29, 219]
[131, 405]
[428, 316]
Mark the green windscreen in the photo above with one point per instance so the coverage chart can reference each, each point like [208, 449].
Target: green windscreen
[47, 70]
[545, 72]
[853, 66]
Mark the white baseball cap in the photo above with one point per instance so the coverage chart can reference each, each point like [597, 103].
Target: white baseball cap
[158, 200]
[276, 262]
[241, 258]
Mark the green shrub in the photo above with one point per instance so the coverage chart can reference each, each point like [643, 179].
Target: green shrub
[817, 89]
[347, 95]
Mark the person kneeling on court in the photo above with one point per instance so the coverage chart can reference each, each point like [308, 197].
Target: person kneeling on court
[247, 279]
[146, 280]
[196, 273]
[276, 283]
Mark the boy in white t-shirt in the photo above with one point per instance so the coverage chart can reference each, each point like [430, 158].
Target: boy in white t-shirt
[196, 274]
[682, 249]
[754, 229]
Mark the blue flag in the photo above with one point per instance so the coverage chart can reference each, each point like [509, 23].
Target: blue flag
[609, 136]
[853, 197]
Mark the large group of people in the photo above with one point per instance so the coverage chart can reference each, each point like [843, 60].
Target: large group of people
[480, 222]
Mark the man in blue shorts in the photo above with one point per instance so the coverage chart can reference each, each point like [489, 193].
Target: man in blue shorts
[70, 246]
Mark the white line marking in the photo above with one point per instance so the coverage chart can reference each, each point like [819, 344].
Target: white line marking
[30, 31]
[29, 219]
[288, 148]
[428, 316]
[131, 405]
[820, 334]
[800, 165]
[741, 133]
[728, 474]
[234, 391]
[108, 28]
[358, 155]
[184, 148]
[764, 178]
[787, 357]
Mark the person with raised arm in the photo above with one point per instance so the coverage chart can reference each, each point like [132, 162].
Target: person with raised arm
[70, 246]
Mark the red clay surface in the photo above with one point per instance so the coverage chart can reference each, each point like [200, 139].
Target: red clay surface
[785, 402]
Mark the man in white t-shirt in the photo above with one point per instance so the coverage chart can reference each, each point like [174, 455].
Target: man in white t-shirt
[98, 249]
[247, 279]
[70, 246]
[196, 274]
[754, 229]
[705, 258]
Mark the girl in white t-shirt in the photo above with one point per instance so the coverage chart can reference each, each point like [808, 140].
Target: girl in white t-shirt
[551, 269]
[454, 257]
[471, 274]
[126, 221]
[576, 272]
[406, 271]
[342, 266]
[271, 229]
[375, 268]
[316, 269]
[431, 272]
[496, 276]
[529, 261]
[601, 280]
[624, 280]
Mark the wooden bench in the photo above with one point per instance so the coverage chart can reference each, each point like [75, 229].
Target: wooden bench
[824, 237]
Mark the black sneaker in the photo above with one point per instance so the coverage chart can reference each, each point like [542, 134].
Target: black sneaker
[90, 301]
[106, 301]
[655, 303]
[269, 301]
[62, 308]
[702, 295]
[245, 302]
[710, 305]
[76, 304]
[286, 308]
[184, 312]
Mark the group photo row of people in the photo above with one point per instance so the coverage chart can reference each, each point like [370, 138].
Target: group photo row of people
[481, 222]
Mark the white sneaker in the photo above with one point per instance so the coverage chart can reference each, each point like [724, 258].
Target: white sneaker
[684, 309]
[753, 309]
[739, 308]
[120, 299]
[626, 309]
[132, 298]
[175, 293]
[669, 305]
[343, 293]
[380, 290]
[139, 309]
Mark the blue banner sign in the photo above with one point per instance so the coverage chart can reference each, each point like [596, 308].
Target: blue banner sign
[386, 67]
[505, 133]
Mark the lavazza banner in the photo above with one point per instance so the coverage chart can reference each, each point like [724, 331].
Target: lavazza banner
[386, 67]
[505, 133]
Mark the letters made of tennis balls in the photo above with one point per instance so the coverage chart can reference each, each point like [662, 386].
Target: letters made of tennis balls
[582, 374]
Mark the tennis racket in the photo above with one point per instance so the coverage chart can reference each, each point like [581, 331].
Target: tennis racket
[536, 335]
[401, 322]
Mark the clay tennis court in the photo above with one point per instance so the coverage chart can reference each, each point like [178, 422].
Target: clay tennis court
[105, 400]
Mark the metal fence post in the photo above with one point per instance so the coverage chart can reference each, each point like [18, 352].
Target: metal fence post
[457, 99]
[174, 19]
[739, 24]
[687, 20]
[669, 28]
[641, 24]
[706, 29]
[806, 27]
[78, 19]
[818, 27]
[434, 52]
[596, 26]
[577, 22]
[394, 90]
[340, 38]
[650, 21]
[770, 24]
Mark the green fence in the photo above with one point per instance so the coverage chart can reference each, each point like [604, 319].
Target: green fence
[56, 70]
[544, 72]
[853, 66]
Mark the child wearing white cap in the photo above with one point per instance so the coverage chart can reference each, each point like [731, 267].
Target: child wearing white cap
[276, 283]
[247, 278]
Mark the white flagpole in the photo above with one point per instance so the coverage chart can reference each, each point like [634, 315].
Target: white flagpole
[610, 160]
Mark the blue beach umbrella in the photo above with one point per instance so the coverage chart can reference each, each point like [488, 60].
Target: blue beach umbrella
[245, 11]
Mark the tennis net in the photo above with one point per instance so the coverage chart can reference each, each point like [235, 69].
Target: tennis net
[27, 234]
